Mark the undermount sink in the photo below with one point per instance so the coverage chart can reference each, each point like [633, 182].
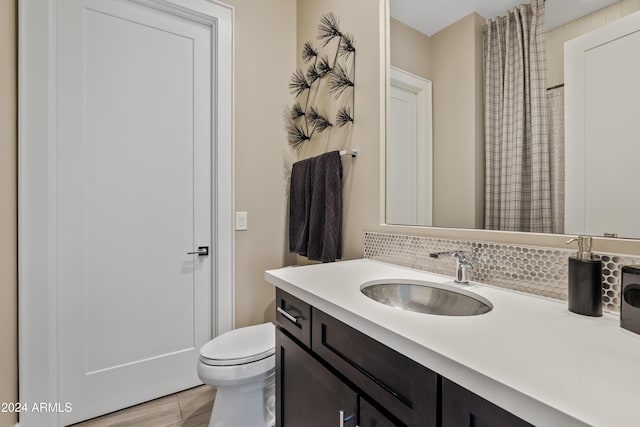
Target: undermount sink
[427, 297]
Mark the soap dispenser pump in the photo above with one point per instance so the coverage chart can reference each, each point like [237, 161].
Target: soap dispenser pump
[585, 280]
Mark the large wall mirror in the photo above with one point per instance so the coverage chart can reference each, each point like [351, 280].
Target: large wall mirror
[436, 153]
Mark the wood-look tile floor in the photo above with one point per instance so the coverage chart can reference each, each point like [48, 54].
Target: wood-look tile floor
[188, 408]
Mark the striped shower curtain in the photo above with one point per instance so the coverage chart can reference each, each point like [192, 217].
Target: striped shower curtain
[517, 175]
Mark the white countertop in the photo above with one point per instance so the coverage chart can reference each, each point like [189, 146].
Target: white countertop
[529, 355]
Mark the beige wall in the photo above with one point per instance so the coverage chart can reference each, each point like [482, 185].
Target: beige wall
[458, 171]
[479, 170]
[410, 50]
[265, 46]
[452, 60]
[558, 36]
[361, 187]
[8, 209]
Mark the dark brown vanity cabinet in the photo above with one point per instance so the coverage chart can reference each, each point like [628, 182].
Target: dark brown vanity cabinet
[403, 387]
[329, 374]
[462, 408]
[307, 393]
[371, 417]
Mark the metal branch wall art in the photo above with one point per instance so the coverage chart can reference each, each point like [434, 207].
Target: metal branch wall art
[329, 74]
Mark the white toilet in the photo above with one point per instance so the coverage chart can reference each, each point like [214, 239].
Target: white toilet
[240, 364]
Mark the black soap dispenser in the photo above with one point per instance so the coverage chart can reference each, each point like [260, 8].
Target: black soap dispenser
[585, 280]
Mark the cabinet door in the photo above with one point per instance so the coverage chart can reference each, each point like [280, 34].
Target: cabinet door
[461, 408]
[371, 417]
[307, 394]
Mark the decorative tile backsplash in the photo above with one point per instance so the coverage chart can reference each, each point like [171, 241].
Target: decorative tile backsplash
[535, 270]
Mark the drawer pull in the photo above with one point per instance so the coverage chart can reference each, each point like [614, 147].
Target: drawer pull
[287, 315]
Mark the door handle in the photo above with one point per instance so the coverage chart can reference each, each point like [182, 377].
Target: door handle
[202, 251]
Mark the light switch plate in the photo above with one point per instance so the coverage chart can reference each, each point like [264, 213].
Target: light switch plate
[241, 221]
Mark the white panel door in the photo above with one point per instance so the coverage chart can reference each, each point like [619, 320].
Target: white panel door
[401, 157]
[611, 137]
[134, 165]
[409, 185]
[602, 128]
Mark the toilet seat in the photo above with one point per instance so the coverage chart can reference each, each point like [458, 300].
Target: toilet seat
[240, 346]
[238, 375]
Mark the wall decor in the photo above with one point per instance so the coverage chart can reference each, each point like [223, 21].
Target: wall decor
[329, 76]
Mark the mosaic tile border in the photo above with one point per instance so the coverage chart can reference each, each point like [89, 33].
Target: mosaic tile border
[535, 270]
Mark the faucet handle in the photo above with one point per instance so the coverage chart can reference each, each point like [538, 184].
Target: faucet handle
[461, 256]
[466, 263]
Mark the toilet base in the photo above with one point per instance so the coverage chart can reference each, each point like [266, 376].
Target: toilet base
[245, 405]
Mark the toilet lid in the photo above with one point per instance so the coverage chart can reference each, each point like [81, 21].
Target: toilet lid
[240, 346]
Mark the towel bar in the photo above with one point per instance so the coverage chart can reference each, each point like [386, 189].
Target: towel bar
[354, 152]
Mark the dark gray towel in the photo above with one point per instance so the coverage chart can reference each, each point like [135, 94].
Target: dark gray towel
[315, 207]
[299, 205]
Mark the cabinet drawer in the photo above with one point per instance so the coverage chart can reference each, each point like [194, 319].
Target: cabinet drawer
[462, 408]
[405, 388]
[294, 316]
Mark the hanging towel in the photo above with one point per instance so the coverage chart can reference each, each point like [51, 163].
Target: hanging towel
[315, 208]
[299, 205]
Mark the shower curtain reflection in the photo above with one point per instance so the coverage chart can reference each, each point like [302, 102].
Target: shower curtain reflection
[518, 184]
[555, 97]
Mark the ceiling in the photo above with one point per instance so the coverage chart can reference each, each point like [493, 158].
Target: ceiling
[430, 16]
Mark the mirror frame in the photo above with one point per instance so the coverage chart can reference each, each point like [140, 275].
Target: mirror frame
[600, 244]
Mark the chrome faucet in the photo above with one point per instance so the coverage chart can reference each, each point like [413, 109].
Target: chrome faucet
[463, 264]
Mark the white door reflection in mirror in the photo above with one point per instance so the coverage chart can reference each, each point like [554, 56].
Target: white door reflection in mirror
[602, 127]
[409, 188]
